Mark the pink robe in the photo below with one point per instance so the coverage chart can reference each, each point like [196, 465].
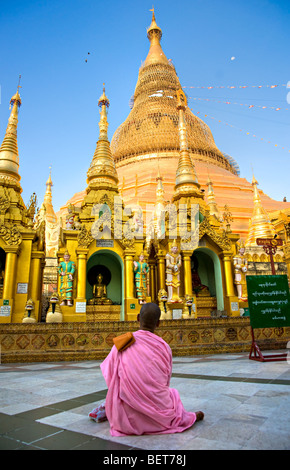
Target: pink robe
[139, 400]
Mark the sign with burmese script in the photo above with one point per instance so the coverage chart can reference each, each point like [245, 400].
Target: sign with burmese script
[269, 301]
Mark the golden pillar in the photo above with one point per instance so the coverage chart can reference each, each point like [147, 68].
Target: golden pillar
[12, 253]
[81, 270]
[152, 280]
[286, 249]
[161, 270]
[231, 299]
[132, 306]
[188, 294]
[36, 278]
[187, 273]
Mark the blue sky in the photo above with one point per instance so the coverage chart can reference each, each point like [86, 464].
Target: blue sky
[47, 42]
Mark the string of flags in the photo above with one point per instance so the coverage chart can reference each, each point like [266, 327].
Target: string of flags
[238, 86]
[241, 130]
[239, 104]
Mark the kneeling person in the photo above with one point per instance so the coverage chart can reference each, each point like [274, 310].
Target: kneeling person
[139, 400]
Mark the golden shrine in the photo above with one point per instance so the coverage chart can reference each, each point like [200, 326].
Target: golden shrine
[165, 218]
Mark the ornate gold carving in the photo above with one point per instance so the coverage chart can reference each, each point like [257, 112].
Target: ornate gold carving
[220, 238]
[4, 204]
[11, 236]
[84, 237]
[75, 341]
[128, 243]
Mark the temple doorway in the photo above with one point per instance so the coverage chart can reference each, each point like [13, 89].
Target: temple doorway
[104, 284]
[207, 276]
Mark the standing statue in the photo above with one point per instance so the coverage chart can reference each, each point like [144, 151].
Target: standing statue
[141, 270]
[173, 265]
[241, 267]
[66, 270]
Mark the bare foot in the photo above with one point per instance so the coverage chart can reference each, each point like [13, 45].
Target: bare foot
[199, 415]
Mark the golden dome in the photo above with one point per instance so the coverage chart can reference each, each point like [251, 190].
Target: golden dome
[152, 125]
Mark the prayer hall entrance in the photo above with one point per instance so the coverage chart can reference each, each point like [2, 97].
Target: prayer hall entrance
[207, 281]
[105, 287]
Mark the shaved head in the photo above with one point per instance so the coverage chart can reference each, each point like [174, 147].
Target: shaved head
[149, 316]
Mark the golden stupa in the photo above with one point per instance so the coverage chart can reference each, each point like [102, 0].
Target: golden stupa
[22, 244]
[149, 138]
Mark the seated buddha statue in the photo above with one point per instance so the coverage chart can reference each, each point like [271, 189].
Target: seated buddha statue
[197, 287]
[100, 292]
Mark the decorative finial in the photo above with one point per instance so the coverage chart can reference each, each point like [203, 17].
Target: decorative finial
[19, 86]
[103, 100]
[16, 98]
[154, 31]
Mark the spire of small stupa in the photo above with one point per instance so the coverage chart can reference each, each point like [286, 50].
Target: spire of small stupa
[159, 189]
[47, 201]
[213, 208]
[260, 225]
[186, 183]
[102, 171]
[9, 158]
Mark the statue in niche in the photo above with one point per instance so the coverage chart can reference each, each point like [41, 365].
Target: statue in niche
[241, 268]
[141, 270]
[197, 287]
[173, 265]
[100, 292]
[66, 271]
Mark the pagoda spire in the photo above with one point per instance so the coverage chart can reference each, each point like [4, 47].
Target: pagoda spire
[260, 225]
[9, 158]
[213, 208]
[102, 171]
[159, 209]
[47, 201]
[159, 189]
[154, 34]
[186, 183]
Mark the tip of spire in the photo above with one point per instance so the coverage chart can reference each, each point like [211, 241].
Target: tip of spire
[254, 181]
[153, 13]
[153, 27]
[49, 181]
[103, 100]
[16, 98]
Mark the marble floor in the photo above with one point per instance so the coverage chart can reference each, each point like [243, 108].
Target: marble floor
[246, 405]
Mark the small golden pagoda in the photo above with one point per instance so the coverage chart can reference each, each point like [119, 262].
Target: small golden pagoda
[261, 227]
[102, 245]
[201, 243]
[22, 247]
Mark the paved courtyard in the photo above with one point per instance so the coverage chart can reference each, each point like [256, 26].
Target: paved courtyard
[246, 405]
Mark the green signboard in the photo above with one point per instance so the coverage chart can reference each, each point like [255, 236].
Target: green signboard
[269, 301]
